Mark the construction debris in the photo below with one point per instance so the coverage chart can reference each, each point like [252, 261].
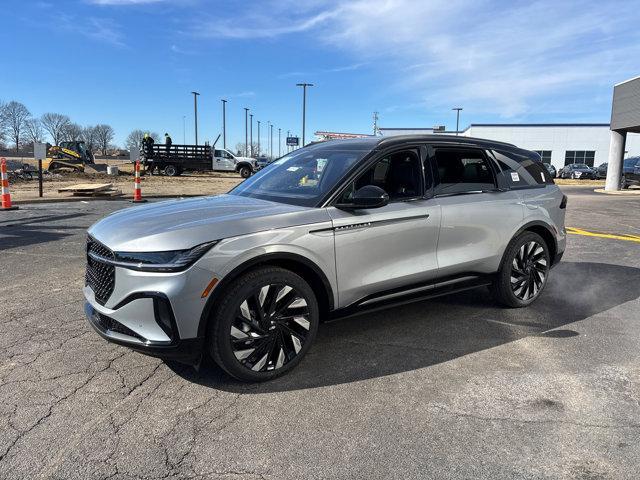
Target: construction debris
[92, 190]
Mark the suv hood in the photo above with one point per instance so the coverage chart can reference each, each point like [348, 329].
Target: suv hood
[182, 224]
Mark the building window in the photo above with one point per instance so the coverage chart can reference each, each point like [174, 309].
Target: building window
[579, 156]
[545, 155]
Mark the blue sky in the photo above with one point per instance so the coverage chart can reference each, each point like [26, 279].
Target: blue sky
[132, 63]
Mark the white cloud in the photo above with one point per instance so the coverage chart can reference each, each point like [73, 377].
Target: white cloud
[504, 58]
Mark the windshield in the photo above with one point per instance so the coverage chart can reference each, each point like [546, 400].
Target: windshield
[581, 165]
[302, 177]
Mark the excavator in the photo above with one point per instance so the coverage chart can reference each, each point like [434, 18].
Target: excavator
[73, 155]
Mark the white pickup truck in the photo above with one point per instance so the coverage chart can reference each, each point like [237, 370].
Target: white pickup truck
[225, 161]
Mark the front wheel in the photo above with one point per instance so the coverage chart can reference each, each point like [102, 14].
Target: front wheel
[264, 325]
[245, 172]
[523, 272]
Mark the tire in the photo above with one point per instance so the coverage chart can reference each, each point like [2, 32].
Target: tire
[264, 324]
[170, 171]
[245, 172]
[526, 260]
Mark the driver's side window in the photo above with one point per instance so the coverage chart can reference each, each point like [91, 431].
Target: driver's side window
[399, 174]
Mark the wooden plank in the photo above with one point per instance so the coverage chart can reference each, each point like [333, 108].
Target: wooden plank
[86, 187]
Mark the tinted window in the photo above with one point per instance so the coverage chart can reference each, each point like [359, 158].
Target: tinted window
[520, 171]
[302, 177]
[399, 174]
[631, 162]
[460, 170]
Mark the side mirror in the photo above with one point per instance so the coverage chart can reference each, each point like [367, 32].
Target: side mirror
[369, 196]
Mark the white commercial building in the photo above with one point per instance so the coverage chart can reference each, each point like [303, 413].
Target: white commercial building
[557, 143]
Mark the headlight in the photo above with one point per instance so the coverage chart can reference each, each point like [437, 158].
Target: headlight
[167, 261]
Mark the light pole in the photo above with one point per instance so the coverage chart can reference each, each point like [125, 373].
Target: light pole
[184, 129]
[271, 140]
[279, 144]
[288, 147]
[251, 133]
[224, 123]
[258, 137]
[195, 112]
[246, 133]
[304, 105]
[457, 109]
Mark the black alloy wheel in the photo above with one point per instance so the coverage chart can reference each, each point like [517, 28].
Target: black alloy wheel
[523, 272]
[529, 270]
[264, 325]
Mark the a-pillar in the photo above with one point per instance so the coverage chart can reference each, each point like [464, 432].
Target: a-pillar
[616, 157]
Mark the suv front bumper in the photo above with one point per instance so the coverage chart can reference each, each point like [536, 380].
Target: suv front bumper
[187, 351]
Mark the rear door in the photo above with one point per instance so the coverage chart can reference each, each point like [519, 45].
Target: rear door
[383, 250]
[477, 217]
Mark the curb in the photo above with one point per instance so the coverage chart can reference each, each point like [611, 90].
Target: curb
[630, 193]
[125, 198]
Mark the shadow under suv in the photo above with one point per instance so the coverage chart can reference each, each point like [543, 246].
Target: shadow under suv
[324, 231]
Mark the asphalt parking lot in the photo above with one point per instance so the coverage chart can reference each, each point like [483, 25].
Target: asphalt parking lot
[449, 388]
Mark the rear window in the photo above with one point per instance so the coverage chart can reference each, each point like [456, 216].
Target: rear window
[518, 171]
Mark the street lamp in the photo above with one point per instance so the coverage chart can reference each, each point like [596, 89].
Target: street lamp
[251, 133]
[457, 109]
[304, 105]
[246, 131]
[224, 123]
[184, 129]
[258, 137]
[279, 144]
[195, 112]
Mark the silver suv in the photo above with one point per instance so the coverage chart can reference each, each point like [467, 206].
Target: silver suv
[329, 229]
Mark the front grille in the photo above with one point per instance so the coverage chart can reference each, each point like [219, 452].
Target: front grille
[100, 277]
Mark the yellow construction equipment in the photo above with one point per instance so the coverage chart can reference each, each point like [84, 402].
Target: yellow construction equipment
[73, 155]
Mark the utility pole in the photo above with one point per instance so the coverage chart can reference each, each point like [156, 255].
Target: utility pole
[279, 144]
[195, 112]
[271, 139]
[251, 133]
[457, 109]
[304, 105]
[246, 133]
[258, 137]
[224, 123]
[375, 123]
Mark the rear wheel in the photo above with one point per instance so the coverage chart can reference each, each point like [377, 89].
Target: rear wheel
[523, 272]
[264, 325]
[170, 170]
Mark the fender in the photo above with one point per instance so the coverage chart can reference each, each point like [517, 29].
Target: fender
[268, 258]
[550, 229]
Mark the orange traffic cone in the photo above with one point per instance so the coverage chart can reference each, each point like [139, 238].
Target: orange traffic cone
[137, 193]
[6, 196]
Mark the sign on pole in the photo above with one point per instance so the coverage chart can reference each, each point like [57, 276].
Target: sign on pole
[134, 153]
[293, 141]
[39, 151]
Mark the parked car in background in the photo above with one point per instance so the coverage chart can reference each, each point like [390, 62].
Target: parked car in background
[551, 169]
[601, 171]
[578, 171]
[630, 172]
[262, 162]
[323, 232]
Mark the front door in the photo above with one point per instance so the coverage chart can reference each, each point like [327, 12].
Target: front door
[222, 161]
[390, 248]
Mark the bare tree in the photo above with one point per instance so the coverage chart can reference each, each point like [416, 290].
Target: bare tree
[90, 138]
[241, 149]
[34, 132]
[72, 132]
[104, 136]
[16, 114]
[3, 122]
[55, 124]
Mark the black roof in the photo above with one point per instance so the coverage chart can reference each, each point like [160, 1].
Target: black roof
[379, 142]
